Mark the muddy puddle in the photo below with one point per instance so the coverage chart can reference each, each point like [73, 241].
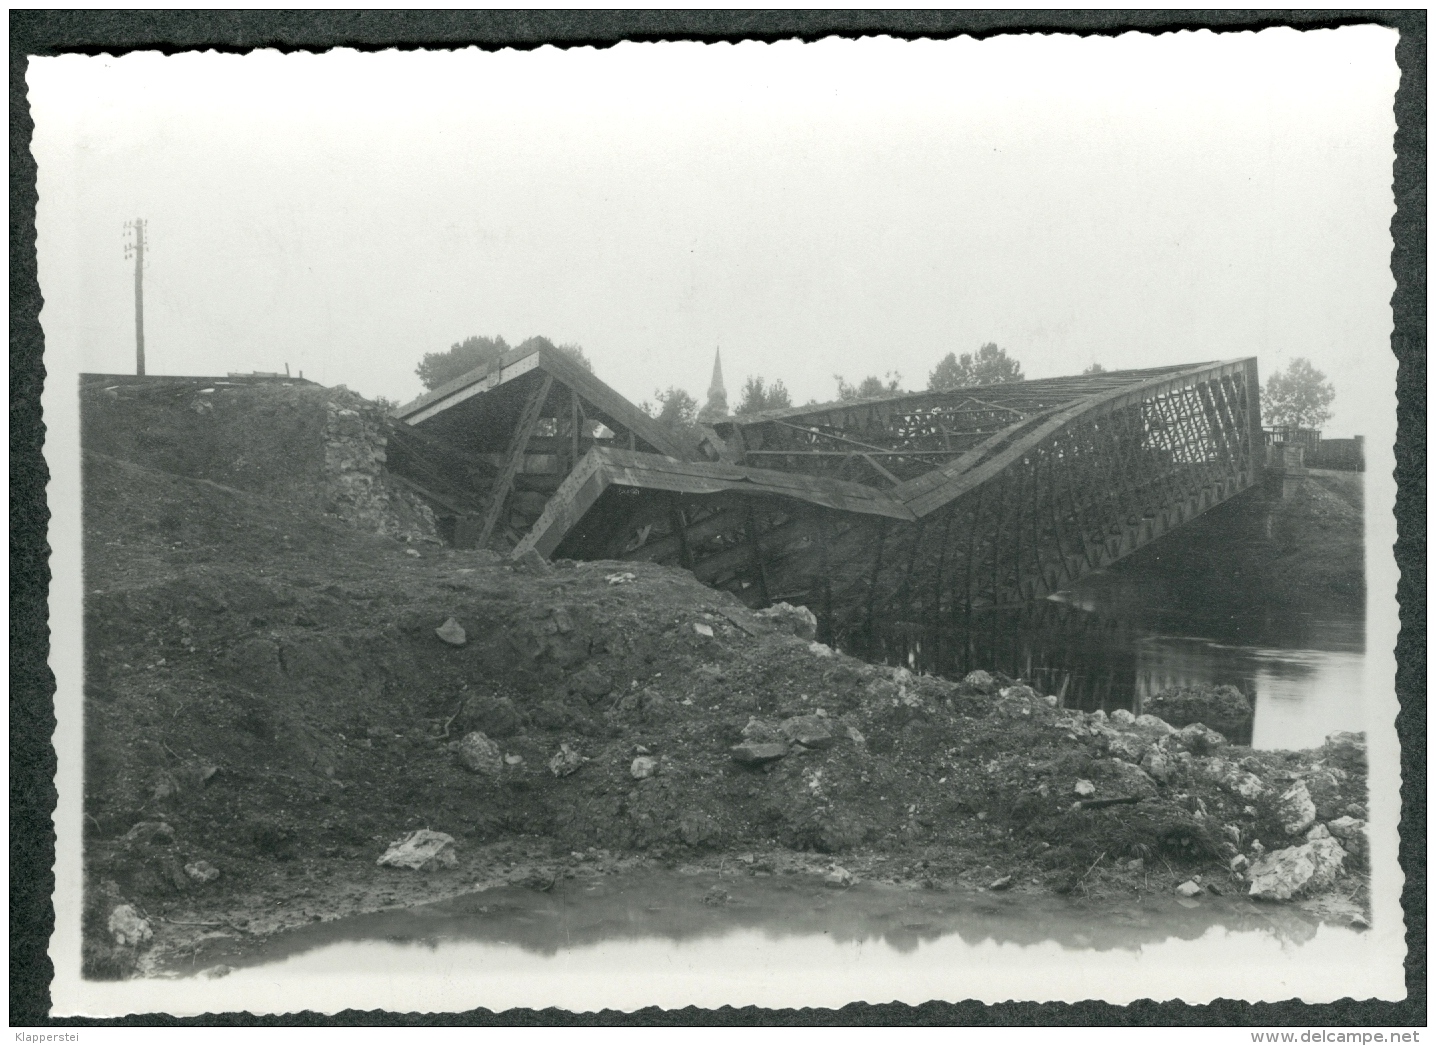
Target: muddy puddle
[672, 939]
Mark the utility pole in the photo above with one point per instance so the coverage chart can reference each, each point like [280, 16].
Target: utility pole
[138, 250]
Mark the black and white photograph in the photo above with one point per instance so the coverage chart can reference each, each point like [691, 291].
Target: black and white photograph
[762, 523]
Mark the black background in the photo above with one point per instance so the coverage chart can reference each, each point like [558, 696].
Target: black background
[32, 759]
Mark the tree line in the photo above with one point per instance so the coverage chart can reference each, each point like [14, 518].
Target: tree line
[1298, 397]
[676, 407]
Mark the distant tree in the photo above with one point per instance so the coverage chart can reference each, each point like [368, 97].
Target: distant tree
[1299, 398]
[675, 410]
[870, 386]
[991, 366]
[1096, 368]
[757, 397]
[385, 403]
[476, 351]
[573, 352]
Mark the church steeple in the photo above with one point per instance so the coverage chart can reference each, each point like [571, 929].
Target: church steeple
[715, 387]
[717, 405]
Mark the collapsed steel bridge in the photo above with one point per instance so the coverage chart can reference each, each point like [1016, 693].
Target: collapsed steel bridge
[913, 510]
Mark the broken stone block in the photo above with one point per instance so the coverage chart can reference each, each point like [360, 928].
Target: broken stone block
[1189, 889]
[1246, 785]
[128, 928]
[1296, 809]
[565, 761]
[479, 755]
[1297, 870]
[761, 730]
[810, 731]
[451, 632]
[839, 877]
[980, 680]
[1156, 763]
[421, 851]
[202, 872]
[1351, 833]
[799, 620]
[755, 752]
[643, 767]
[1198, 739]
[1153, 727]
[1129, 747]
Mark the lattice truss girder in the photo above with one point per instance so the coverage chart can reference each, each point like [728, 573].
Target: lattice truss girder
[1087, 495]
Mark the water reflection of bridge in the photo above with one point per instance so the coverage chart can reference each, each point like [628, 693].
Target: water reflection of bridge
[928, 511]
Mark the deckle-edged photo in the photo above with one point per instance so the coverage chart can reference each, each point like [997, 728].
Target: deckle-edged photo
[781, 524]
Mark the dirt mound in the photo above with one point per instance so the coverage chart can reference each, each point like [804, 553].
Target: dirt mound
[312, 447]
[268, 683]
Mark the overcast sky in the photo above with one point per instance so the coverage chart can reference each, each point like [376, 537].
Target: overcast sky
[846, 207]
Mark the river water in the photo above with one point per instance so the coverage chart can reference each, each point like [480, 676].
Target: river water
[650, 938]
[1118, 645]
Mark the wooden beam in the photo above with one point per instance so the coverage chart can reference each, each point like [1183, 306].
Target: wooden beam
[757, 552]
[678, 524]
[499, 495]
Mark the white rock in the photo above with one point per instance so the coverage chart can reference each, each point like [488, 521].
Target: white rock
[1352, 834]
[1297, 870]
[1153, 725]
[451, 632]
[978, 678]
[202, 872]
[128, 928]
[565, 761]
[1156, 763]
[1239, 863]
[820, 649]
[1246, 785]
[1122, 717]
[1188, 889]
[801, 621]
[643, 767]
[1317, 831]
[479, 755]
[421, 851]
[1084, 787]
[1296, 809]
[838, 876]
[702, 629]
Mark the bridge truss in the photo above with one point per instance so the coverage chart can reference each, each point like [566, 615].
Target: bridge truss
[917, 509]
